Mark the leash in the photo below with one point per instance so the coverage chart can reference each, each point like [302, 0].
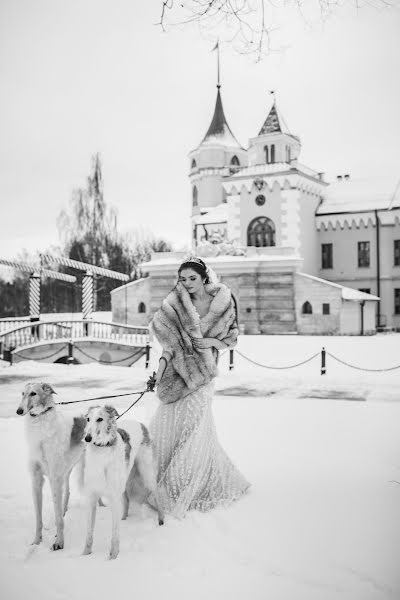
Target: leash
[149, 388]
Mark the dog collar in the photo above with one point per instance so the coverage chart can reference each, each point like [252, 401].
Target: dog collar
[105, 445]
[42, 413]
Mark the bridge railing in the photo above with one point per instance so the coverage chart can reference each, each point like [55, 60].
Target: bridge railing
[39, 332]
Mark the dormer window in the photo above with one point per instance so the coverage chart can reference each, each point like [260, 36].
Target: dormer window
[235, 161]
[288, 157]
[272, 153]
[266, 150]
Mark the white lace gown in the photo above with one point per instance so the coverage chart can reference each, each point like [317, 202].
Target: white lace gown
[194, 471]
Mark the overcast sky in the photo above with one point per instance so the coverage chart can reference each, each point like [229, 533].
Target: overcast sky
[85, 76]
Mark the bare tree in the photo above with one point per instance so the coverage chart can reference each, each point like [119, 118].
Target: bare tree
[249, 25]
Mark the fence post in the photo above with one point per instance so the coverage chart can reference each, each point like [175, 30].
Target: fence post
[231, 365]
[8, 357]
[323, 361]
[147, 356]
[70, 359]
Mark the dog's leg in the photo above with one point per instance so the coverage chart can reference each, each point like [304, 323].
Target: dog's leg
[116, 510]
[56, 484]
[125, 505]
[66, 493]
[37, 490]
[145, 464]
[91, 518]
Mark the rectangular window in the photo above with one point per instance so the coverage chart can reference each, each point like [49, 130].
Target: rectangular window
[327, 256]
[326, 309]
[365, 290]
[397, 253]
[397, 301]
[363, 254]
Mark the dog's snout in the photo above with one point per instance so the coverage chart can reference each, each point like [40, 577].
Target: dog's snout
[20, 411]
[88, 438]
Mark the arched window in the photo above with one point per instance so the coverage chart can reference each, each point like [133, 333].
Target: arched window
[194, 165]
[306, 309]
[142, 307]
[288, 154]
[235, 161]
[194, 196]
[261, 232]
[266, 154]
[272, 153]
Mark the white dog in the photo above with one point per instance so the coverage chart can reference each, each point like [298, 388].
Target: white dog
[55, 446]
[114, 459]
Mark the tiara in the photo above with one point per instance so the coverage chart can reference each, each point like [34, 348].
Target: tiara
[194, 259]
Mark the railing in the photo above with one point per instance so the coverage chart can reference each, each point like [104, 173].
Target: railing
[7, 324]
[47, 331]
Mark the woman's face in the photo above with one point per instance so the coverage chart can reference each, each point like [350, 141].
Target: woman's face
[191, 280]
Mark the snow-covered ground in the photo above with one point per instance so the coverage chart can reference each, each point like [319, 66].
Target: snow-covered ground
[322, 519]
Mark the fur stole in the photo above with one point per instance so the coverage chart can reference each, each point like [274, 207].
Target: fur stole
[176, 322]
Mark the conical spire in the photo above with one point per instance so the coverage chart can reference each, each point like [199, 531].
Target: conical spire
[274, 123]
[219, 131]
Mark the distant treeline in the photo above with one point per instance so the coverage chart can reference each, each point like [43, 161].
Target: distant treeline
[88, 232]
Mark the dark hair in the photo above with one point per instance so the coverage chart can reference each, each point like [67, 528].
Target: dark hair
[198, 265]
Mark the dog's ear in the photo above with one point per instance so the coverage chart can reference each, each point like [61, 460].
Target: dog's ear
[46, 387]
[111, 411]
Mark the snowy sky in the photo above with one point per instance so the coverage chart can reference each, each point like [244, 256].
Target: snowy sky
[99, 76]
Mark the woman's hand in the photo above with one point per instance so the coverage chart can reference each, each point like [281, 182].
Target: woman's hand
[203, 343]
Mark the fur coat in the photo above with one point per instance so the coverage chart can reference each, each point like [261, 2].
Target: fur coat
[176, 322]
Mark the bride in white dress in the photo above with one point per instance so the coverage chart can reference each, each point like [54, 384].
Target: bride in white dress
[195, 322]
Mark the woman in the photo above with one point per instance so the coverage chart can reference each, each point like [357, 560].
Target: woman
[195, 322]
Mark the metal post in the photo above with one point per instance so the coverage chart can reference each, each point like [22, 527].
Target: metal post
[231, 365]
[8, 357]
[323, 361]
[70, 359]
[362, 303]
[147, 356]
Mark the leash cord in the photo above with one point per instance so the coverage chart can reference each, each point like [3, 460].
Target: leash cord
[105, 397]
[133, 404]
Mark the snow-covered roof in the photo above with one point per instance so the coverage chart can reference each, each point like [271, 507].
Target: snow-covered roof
[217, 214]
[347, 293]
[358, 195]
[219, 131]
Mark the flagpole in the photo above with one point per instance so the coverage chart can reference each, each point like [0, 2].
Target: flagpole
[218, 84]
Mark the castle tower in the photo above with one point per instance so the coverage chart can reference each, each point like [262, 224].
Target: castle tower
[274, 143]
[218, 155]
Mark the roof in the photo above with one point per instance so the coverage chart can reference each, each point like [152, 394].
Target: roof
[347, 293]
[219, 131]
[274, 123]
[363, 194]
[217, 214]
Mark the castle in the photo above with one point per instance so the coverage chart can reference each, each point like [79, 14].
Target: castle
[300, 255]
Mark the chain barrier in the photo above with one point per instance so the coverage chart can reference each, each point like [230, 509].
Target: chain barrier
[343, 362]
[277, 368]
[40, 357]
[111, 362]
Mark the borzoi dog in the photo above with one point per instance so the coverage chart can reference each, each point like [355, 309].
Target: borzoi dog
[55, 446]
[114, 459]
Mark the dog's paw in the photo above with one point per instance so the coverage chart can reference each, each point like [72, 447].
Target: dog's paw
[58, 546]
[161, 521]
[86, 551]
[113, 553]
[36, 541]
